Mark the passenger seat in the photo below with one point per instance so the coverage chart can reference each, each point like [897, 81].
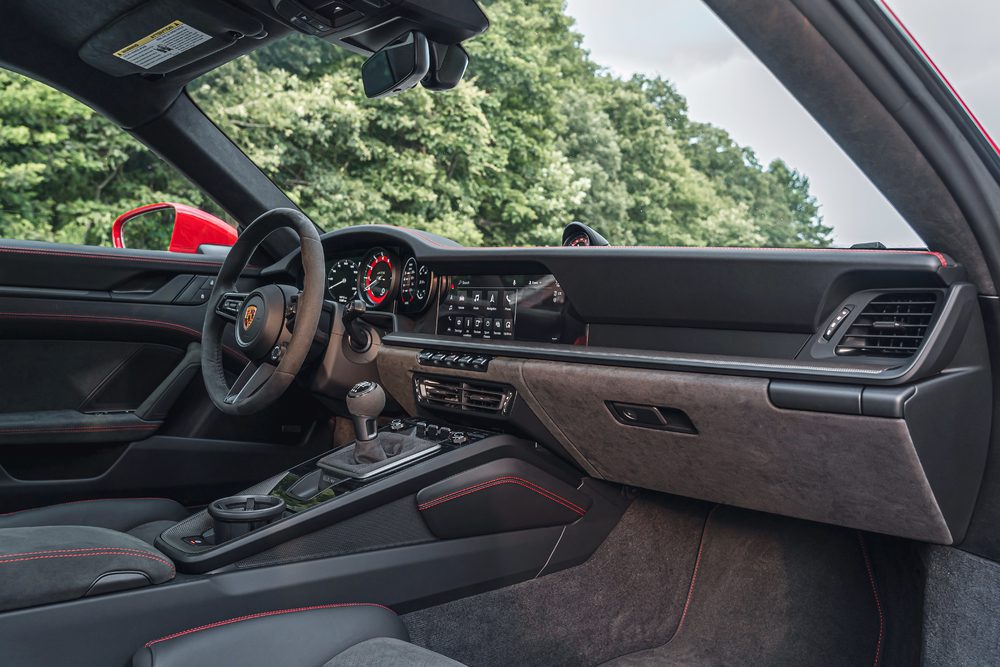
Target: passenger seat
[334, 635]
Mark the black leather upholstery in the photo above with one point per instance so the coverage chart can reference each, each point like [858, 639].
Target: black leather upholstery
[292, 637]
[144, 518]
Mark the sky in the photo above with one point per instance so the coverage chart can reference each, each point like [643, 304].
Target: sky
[725, 84]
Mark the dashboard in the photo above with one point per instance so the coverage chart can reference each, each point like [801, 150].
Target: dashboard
[515, 307]
[703, 372]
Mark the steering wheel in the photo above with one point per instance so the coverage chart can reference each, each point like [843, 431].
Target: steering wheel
[275, 351]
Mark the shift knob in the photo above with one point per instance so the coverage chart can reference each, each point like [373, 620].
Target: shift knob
[365, 402]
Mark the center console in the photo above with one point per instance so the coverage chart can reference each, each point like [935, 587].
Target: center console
[406, 456]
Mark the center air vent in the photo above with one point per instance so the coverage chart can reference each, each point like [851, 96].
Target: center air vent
[891, 325]
[460, 395]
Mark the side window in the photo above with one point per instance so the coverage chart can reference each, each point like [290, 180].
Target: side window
[67, 174]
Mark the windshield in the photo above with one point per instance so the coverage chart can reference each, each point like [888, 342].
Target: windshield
[661, 132]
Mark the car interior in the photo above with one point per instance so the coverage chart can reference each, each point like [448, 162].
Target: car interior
[376, 446]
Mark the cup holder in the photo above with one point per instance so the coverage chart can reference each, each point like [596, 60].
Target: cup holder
[238, 515]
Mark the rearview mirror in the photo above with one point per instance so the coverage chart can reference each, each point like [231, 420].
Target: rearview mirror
[173, 227]
[397, 67]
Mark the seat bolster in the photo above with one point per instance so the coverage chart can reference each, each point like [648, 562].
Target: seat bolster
[301, 636]
[121, 514]
[47, 564]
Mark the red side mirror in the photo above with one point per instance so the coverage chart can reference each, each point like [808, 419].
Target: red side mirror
[170, 226]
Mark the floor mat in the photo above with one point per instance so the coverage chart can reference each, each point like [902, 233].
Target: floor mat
[679, 584]
[616, 602]
[774, 591]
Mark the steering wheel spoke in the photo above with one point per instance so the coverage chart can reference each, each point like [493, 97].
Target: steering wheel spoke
[258, 319]
[251, 379]
[229, 304]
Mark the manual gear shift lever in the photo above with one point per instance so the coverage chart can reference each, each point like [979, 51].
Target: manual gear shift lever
[365, 402]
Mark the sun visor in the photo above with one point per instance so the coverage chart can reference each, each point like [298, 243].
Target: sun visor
[161, 36]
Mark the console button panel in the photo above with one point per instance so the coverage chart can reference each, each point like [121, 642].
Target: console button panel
[466, 362]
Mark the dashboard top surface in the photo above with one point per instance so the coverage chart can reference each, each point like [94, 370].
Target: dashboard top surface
[729, 302]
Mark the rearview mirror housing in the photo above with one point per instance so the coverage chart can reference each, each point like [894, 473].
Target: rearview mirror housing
[398, 66]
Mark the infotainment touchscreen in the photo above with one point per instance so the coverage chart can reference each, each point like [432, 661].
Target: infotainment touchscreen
[510, 307]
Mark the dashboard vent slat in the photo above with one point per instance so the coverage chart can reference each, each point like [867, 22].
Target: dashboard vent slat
[891, 325]
[462, 395]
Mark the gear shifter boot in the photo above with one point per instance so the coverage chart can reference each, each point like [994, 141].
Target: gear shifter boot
[396, 449]
[392, 443]
[369, 451]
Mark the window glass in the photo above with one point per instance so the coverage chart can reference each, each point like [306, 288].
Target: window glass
[66, 172]
[660, 131]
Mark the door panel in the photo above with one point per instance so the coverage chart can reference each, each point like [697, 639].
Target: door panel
[90, 334]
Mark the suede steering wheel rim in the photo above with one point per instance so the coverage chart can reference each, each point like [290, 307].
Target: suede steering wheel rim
[275, 354]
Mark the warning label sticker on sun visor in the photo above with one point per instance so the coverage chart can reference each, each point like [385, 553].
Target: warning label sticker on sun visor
[169, 41]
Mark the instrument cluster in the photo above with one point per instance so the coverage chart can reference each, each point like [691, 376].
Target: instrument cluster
[381, 279]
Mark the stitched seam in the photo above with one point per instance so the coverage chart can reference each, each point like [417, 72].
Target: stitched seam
[194, 333]
[110, 257]
[106, 318]
[511, 480]
[147, 556]
[58, 551]
[878, 601]
[487, 485]
[939, 256]
[694, 575]
[482, 486]
[263, 614]
[499, 482]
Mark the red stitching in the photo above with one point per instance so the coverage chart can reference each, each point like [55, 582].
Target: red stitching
[109, 552]
[431, 240]
[878, 601]
[109, 256]
[507, 479]
[694, 574]
[107, 318]
[194, 333]
[263, 614]
[499, 482]
[481, 486]
[67, 551]
[74, 502]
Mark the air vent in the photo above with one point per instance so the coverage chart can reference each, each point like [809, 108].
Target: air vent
[455, 394]
[891, 325]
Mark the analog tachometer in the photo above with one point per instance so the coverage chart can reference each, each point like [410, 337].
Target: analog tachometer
[377, 277]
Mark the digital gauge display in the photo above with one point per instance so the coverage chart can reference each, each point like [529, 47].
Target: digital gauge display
[414, 285]
[377, 276]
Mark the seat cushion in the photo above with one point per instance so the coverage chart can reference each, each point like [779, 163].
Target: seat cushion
[306, 636]
[122, 514]
[46, 564]
[388, 651]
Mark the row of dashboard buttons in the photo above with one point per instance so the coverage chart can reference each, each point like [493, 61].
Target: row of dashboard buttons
[471, 362]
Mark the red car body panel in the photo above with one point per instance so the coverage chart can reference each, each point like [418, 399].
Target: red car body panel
[192, 228]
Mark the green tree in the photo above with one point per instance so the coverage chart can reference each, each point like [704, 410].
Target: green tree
[538, 135]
